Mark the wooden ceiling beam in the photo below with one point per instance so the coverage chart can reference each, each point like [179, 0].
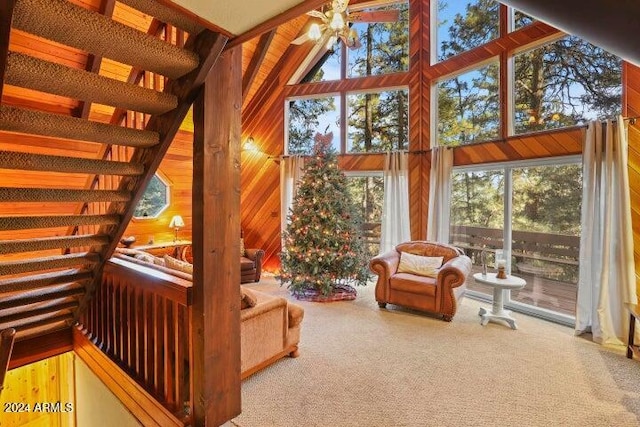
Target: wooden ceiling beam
[94, 61]
[256, 61]
[276, 21]
[6, 16]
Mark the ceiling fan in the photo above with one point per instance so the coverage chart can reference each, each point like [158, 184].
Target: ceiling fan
[336, 20]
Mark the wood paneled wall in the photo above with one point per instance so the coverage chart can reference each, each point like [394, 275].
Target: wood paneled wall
[631, 108]
[263, 119]
[177, 168]
[48, 381]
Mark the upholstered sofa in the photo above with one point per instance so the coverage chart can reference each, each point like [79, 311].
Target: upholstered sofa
[439, 294]
[250, 263]
[269, 330]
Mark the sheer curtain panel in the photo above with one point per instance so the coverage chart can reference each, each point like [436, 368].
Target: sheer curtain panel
[395, 207]
[607, 273]
[440, 194]
[291, 171]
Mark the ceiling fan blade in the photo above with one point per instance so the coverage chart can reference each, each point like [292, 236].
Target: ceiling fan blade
[317, 14]
[375, 16]
[302, 39]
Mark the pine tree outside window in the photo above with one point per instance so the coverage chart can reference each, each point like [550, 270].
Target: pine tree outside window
[565, 83]
[468, 107]
[459, 26]
[378, 121]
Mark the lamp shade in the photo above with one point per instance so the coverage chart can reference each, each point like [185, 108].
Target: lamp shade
[176, 222]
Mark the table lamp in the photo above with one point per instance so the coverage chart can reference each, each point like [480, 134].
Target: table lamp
[176, 223]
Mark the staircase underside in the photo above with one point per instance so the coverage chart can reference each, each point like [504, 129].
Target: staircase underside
[56, 236]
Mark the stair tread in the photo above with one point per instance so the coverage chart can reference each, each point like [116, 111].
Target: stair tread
[22, 194]
[42, 162]
[52, 221]
[67, 23]
[34, 73]
[57, 242]
[56, 125]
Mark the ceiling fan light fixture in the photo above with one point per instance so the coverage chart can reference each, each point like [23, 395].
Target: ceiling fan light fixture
[314, 32]
[337, 21]
[332, 40]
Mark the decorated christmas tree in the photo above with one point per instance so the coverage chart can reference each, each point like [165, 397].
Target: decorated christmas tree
[323, 252]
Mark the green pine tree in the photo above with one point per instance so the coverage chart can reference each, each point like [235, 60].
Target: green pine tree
[324, 251]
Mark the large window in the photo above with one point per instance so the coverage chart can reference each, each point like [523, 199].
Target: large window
[565, 83]
[560, 84]
[464, 24]
[469, 107]
[310, 116]
[531, 212]
[368, 193]
[520, 19]
[384, 46]
[328, 68]
[378, 121]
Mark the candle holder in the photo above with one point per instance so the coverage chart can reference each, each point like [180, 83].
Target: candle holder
[501, 264]
[501, 273]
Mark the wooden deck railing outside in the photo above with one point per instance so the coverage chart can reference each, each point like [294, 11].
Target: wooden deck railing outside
[549, 262]
[144, 325]
[550, 255]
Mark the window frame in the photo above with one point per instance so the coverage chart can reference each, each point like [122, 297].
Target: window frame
[164, 180]
[508, 168]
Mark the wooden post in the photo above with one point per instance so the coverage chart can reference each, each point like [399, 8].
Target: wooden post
[216, 243]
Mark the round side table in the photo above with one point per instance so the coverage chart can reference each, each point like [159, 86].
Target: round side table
[499, 285]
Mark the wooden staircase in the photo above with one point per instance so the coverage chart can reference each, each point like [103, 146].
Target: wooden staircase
[46, 281]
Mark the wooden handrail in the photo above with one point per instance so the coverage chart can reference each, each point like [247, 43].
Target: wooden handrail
[140, 318]
[7, 337]
[163, 284]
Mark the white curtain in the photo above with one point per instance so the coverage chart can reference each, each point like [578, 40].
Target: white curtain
[395, 207]
[607, 273]
[291, 171]
[440, 194]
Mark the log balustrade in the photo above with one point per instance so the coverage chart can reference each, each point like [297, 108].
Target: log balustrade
[143, 323]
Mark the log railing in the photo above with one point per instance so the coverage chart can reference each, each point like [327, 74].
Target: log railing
[141, 319]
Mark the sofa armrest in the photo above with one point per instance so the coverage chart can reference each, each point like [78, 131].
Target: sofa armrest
[256, 255]
[295, 314]
[386, 264]
[455, 271]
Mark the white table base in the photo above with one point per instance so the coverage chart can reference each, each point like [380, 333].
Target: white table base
[492, 316]
[497, 311]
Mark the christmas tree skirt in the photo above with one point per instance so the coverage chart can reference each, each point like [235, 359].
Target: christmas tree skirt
[339, 293]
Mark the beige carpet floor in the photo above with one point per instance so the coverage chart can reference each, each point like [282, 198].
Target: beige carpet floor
[363, 366]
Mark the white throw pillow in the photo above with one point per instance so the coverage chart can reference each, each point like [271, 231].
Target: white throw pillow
[176, 264]
[421, 265]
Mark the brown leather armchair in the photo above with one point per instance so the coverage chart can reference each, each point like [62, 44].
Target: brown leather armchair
[437, 295]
